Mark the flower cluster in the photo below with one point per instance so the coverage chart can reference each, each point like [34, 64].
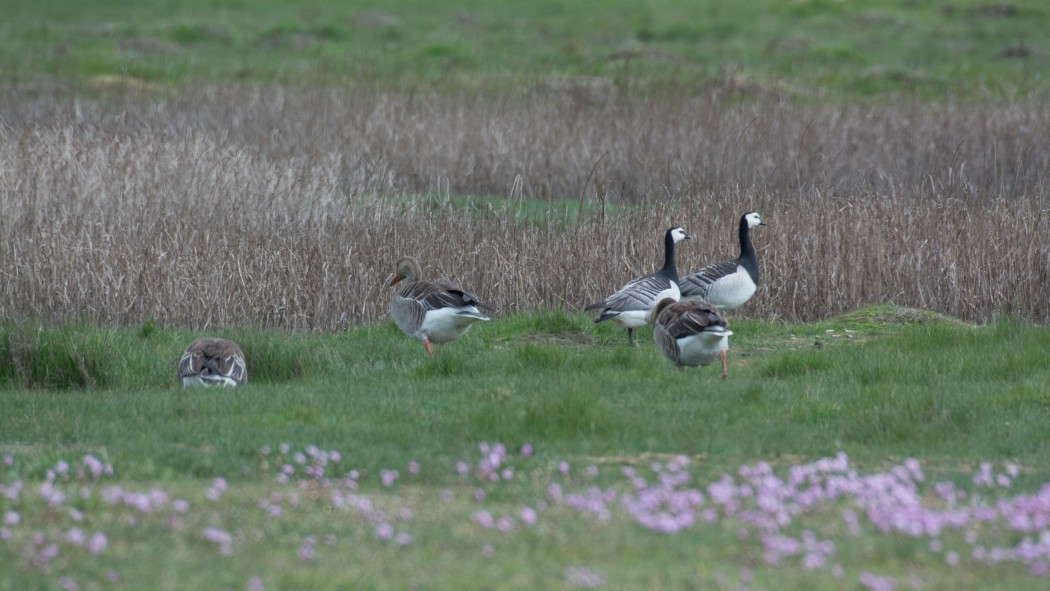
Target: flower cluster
[312, 463]
[793, 516]
[310, 472]
[668, 504]
[64, 485]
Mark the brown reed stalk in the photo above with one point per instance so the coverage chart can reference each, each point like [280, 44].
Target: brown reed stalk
[271, 207]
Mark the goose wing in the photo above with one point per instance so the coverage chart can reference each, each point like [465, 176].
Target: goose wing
[435, 296]
[690, 333]
[190, 364]
[232, 365]
[687, 318]
[697, 284]
[638, 294]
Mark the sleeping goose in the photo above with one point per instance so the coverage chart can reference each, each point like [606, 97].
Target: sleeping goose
[212, 362]
[728, 285]
[629, 306]
[428, 311]
[690, 333]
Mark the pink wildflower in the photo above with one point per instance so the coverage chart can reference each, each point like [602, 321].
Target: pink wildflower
[527, 515]
[97, 543]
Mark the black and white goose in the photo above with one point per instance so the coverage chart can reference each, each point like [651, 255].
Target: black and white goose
[629, 307]
[428, 311]
[212, 362]
[730, 284]
[690, 333]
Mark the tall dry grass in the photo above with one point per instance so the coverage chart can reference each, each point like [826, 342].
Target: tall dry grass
[286, 208]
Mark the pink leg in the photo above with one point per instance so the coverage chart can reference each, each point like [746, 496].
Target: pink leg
[426, 343]
[722, 354]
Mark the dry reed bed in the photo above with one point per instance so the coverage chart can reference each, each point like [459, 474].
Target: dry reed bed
[274, 208]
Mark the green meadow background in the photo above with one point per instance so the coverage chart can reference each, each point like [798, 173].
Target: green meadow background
[817, 49]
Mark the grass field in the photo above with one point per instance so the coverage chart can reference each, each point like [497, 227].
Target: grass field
[252, 170]
[813, 49]
[402, 471]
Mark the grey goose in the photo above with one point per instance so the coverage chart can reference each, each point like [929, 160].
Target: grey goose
[212, 362]
[429, 311]
[629, 307]
[690, 333]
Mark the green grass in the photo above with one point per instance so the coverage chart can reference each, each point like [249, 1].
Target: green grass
[814, 48]
[889, 389]
[871, 383]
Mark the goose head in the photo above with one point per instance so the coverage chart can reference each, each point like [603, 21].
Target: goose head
[753, 219]
[406, 268]
[678, 234]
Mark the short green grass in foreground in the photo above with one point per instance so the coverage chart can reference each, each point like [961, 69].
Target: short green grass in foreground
[948, 394]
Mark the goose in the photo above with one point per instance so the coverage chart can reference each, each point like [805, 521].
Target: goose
[690, 332]
[629, 306]
[428, 311]
[730, 284]
[212, 362]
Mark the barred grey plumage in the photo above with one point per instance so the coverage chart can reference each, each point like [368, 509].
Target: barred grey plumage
[730, 284]
[212, 362]
[690, 333]
[629, 306]
[431, 311]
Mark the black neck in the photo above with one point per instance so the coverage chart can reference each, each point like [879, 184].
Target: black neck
[747, 251]
[669, 269]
